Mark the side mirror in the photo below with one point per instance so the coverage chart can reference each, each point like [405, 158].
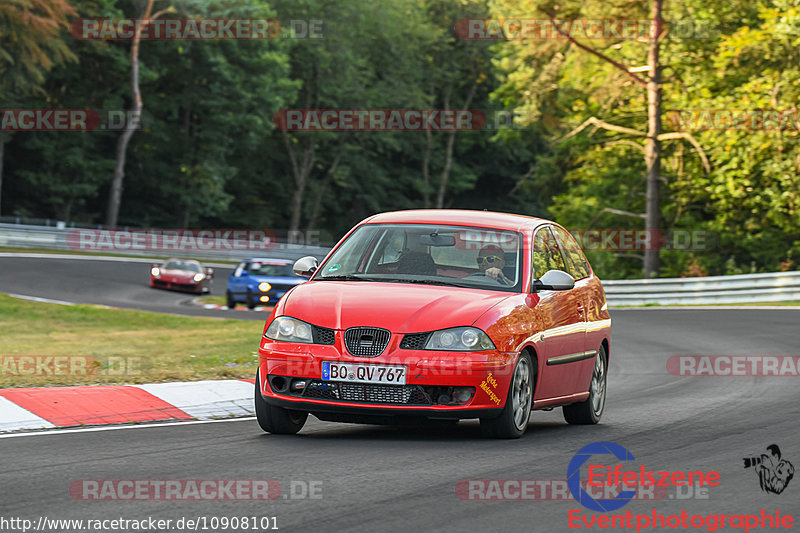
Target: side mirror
[554, 280]
[209, 272]
[305, 266]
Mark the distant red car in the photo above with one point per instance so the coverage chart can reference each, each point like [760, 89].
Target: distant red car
[439, 314]
[181, 275]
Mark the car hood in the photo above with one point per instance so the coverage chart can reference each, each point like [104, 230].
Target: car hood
[278, 280]
[177, 274]
[398, 307]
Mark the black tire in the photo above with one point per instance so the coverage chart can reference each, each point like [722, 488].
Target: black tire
[590, 410]
[512, 422]
[251, 303]
[229, 301]
[277, 420]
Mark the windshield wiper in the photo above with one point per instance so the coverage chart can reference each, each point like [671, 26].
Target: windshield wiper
[430, 282]
[345, 277]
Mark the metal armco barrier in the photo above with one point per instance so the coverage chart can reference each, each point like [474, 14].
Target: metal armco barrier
[53, 238]
[743, 288]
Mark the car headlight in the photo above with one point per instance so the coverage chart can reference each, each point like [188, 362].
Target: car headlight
[289, 329]
[264, 286]
[155, 271]
[199, 277]
[465, 339]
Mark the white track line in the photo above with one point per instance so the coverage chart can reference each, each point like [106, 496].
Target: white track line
[102, 258]
[114, 428]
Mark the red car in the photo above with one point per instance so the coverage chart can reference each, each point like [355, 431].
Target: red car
[182, 275]
[439, 314]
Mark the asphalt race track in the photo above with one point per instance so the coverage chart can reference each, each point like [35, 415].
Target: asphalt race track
[116, 283]
[404, 479]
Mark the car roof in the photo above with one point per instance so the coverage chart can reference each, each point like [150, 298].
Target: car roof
[182, 260]
[270, 261]
[458, 217]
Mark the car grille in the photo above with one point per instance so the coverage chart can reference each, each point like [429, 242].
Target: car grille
[323, 335]
[367, 393]
[414, 341]
[366, 342]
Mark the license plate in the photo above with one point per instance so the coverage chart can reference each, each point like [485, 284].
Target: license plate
[357, 373]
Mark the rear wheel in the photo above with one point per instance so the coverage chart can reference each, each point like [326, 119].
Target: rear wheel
[513, 420]
[277, 420]
[229, 301]
[590, 410]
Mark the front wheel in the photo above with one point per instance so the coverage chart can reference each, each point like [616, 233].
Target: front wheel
[251, 300]
[274, 419]
[229, 301]
[513, 420]
[590, 410]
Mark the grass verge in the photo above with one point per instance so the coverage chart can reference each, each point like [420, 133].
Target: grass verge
[119, 345]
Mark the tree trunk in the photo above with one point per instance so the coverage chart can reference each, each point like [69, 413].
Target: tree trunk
[426, 171]
[652, 145]
[315, 207]
[115, 194]
[448, 158]
[300, 172]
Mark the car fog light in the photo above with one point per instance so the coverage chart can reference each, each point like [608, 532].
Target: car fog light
[462, 394]
[264, 286]
[264, 298]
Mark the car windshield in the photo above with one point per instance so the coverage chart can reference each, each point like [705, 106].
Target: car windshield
[459, 256]
[182, 265]
[271, 269]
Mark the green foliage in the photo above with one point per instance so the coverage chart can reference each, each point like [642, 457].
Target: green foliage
[209, 154]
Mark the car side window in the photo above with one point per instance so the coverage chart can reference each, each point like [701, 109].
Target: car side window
[578, 266]
[546, 254]
[239, 269]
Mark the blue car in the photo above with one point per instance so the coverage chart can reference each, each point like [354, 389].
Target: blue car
[260, 282]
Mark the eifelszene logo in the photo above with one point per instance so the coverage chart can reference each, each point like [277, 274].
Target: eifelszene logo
[607, 476]
[774, 473]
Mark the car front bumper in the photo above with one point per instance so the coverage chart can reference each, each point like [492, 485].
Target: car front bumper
[428, 374]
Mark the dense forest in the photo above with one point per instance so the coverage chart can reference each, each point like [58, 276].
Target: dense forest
[588, 128]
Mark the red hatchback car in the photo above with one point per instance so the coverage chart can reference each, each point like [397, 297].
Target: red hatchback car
[439, 314]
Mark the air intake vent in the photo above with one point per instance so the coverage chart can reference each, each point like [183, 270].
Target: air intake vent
[366, 342]
[414, 341]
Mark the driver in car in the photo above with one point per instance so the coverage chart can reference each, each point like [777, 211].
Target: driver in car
[491, 263]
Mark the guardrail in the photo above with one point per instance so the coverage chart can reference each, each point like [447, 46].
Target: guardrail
[55, 238]
[770, 287]
[743, 288]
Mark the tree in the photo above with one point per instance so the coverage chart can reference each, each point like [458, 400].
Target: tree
[30, 45]
[115, 194]
[554, 58]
